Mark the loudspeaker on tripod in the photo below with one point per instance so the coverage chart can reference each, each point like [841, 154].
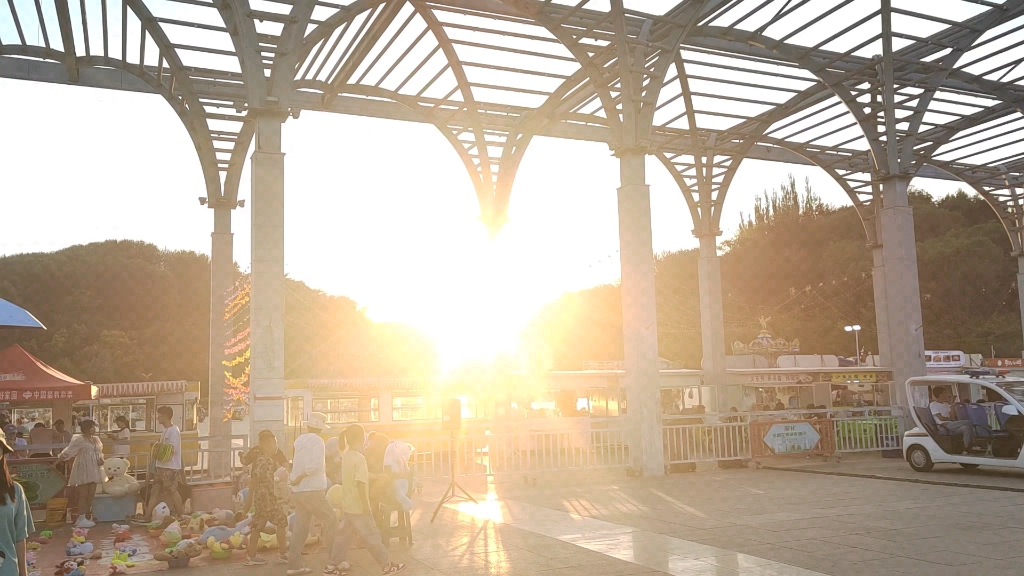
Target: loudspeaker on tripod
[451, 414]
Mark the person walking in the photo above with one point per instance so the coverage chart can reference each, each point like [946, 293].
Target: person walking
[15, 520]
[268, 507]
[86, 471]
[167, 454]
[309, 492]
[357, 514]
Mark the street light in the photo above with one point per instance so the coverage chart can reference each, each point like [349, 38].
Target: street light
[856, 335]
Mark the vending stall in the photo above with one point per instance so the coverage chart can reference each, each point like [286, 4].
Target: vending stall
[32, 391]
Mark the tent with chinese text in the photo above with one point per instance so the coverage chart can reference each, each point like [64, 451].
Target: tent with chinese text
[36, 392]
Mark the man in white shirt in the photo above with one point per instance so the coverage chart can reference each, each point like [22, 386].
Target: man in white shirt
[945, 417]
[168, 474]
[309, 492]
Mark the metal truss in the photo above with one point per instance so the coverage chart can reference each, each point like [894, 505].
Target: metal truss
[865, 89]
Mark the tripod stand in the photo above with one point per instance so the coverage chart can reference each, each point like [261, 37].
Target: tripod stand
[449, 493]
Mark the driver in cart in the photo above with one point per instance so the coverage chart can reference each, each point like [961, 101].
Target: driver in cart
[945, 417]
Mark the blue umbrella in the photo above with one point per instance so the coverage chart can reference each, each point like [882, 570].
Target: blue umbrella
[12, 316]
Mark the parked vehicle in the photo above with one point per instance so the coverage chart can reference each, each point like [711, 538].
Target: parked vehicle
[992, 406]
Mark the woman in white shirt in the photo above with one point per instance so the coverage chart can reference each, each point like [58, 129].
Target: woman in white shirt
[123, 434]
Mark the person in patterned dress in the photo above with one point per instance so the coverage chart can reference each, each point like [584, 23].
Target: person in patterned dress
[264, 499]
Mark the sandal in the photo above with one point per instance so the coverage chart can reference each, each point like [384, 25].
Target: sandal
[255, 561]
[299, 571]
[392, 568]
[138, 519]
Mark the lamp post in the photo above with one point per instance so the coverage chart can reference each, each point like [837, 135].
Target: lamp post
[856, 335]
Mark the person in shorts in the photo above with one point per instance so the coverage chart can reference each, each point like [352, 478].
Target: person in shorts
[268, 507]
[167, 474]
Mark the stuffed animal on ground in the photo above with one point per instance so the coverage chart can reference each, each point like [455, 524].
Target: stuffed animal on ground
[79, 549]
[267, 542]
[70, 568]
[236, 540]
[122, 558]
[33, 546]
[220, 517]
[160, 513]
[217, 548]
[195, 524]
[39, 539]
[171, 535]
[117, 569]
[118, 482]
[79, 534]
[30, 559]
[222, 533]
[121, 533]
[129, 550]
[185, 549]
[46, 534]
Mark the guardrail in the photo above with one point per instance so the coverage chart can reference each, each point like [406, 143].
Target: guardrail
[691, 443]
[519, 452]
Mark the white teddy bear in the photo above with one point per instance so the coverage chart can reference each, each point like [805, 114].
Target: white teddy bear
[118, 482]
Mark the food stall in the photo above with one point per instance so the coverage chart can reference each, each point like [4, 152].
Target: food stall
[32, 391]
[138, 402]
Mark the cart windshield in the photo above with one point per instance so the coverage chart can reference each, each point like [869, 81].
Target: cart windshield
[1015, 388]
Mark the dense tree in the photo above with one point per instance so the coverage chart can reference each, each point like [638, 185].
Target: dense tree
[806, 265]
[121, 311]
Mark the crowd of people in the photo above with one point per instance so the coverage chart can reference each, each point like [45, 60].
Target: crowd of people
[314, 470]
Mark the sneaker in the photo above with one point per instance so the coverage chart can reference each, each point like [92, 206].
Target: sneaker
[84, 522]
[333, 571]
[392, 568]
[299, 571]
[255, 561]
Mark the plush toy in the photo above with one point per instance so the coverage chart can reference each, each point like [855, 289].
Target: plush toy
[30, 559]
[121, 533]
[396, 458]
[184, 549]
[218, 550]
[171, 535]
[129, 550]
[79, 534]
[33, 546]
[118, 482]
[220, 517]
[70, 568]
[78, 549]
[46, 534]
[195, 524]
[267, 542]
[236, 540]
[334, 496]
[122, 558]
[117, 569]
[160, 513]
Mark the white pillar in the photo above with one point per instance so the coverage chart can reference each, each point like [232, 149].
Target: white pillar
[1020, 291]
[639, 316]
[222, 273]
[881, 322]
[712, 321]
[902, 303]
[266, 307]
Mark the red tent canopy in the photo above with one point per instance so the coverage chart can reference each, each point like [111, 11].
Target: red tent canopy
[25, 378]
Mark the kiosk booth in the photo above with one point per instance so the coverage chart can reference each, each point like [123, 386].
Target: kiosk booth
[35, 392]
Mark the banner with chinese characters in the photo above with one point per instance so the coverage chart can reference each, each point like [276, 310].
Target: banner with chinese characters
[854, 376]
[35, 395]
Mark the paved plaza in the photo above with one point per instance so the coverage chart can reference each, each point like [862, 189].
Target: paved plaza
[725, 523]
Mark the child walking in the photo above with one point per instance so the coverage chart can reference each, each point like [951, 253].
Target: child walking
[357, 515]
[268, 508]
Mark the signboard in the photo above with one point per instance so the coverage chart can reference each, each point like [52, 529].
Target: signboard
[783, 378]
[1003, 362]
[40, 480]
[865, 377]
[792, 438]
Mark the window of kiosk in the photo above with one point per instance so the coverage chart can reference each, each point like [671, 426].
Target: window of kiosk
[294, 413]
[342, 410]
[32, 415]
[106, 412]
[470, 409]
[414, 408]
[190, 415]
[598, 400]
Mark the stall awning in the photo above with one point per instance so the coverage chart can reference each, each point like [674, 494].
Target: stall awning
[25, 378]
[136, 389]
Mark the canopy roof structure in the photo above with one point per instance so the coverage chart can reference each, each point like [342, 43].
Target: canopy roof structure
[702, 84]
[14, 316]
[25, 378]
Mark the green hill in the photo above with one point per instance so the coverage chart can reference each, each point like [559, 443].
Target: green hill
[806, 265]
[121, 311]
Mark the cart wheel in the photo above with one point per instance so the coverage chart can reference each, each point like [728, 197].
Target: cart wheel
[919, 459]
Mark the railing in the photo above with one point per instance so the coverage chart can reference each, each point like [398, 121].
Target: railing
[693, 443]
[199, 458]
[868, 433]
[519, 452]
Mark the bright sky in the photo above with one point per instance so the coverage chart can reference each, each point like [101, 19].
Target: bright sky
[379, 211]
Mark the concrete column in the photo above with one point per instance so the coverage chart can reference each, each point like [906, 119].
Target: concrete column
[1020, 290]
[266, 307]
[639, 316]
[712, 322]
[222, 275]
[902, 303]
[881, 321]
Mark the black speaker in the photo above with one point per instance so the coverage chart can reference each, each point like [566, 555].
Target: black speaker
[451, 414]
